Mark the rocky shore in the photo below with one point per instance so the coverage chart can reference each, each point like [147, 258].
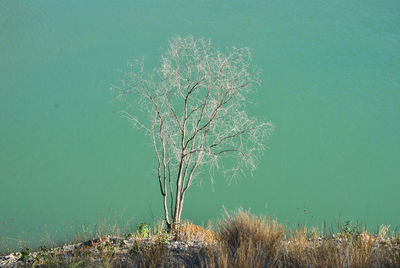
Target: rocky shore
[123, 249]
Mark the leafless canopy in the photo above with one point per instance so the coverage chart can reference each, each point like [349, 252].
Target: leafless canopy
[194, 109]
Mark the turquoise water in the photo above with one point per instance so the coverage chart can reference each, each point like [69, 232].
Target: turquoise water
[331, 86]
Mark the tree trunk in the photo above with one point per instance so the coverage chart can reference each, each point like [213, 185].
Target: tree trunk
[180, 208]
[178, 204]
[176, 220]
[167, 221]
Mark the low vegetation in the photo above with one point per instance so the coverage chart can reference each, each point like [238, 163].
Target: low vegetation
[238, 240]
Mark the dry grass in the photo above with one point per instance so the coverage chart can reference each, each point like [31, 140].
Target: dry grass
[240, 240]
[188, 231]
[249, 241]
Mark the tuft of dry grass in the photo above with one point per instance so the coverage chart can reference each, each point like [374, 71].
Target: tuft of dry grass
[188, 231]
[155, 255]
[245, 240]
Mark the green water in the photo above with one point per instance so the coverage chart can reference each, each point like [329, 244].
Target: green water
[331, 86]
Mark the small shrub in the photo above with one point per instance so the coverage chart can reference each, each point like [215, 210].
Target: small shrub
[163, 237]
[24, 254]
[143, 230]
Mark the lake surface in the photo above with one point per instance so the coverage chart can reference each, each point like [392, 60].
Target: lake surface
[331, 86]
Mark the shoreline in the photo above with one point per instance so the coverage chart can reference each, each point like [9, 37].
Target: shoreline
[240, 240]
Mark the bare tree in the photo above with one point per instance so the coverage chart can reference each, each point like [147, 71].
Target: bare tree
[195, 104]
